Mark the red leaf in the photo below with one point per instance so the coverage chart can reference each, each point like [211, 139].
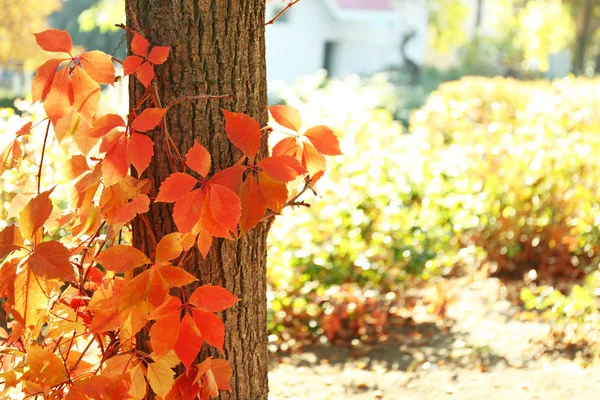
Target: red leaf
[282, 168]
[159, 54]
[171, 305]
[189, 341]
[43, 79]
[225, 206]
[127, 212]
[208, 223]
[211, 327]
[286, 116]
[210, 298]
[140, 150]
[10, 240]
[145, 73]
[148, 119]
[221, 371]
[274, 192]
[164, 332]
[122, 258]
[131, 64]
[139, 45]
[243, 131]
[54, 40]
[253, 204]
[50, 260]
[324, 140]
[175, 276]
[188, 210]
[230, 177]
[203, 242]
[198, 159]
[288, 147]
[105, 124]
[115, 164]
[99, 66]
[175, 186]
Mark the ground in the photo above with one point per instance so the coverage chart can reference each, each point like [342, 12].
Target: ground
[486, 353]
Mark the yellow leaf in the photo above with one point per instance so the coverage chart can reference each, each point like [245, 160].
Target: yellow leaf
[44, 367]
[160, 377]
[30, 299]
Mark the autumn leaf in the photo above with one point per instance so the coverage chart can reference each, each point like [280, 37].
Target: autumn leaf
[160, 377]
[168, 247]
[159, 54]
[10, 240]
[198, 159]
[282, 168]
[175, 186]
[274, 192]
[139, 45]
[148, 119]
[324, 140]
[122, 258]
[211, 298]
[54, 40]
[140, 150]
[286, 116]
[145, 73]
[105, 124]
[189, 341]
[131, 64]
[188, 210]
[225, 206]
[51, 260]
[44, 367]
[43, 79]
[243, 131]
[253, 204]
[76, 166]
[35, 213]
[99, 66]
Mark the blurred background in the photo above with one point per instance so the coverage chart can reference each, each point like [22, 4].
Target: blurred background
[453, 249]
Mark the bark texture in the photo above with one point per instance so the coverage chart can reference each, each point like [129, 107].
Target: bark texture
[218, 48]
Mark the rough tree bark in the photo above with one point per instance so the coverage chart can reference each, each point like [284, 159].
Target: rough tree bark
[217, 47]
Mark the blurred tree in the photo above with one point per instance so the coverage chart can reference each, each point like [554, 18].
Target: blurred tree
[19, 19]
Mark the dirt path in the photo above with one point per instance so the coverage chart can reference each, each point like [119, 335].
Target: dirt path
[484, 355]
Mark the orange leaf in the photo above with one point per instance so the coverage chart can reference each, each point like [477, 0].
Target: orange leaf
[86, 93]
[169, 306]
[211, 327]
[168, 247]
[159, 54]
[43, 79]
[230, 177]
[10, 240]
[175, 276]
[164, 332]
[145, 73]
[274, 192]
[214, 374]
[51, 260]
[54, 40]
[188, 210]
[312, 160]
[35, 213]
[225, 206]
[324, 140]
[148, 119]
[44, 367]
[286, 116]
[115, 164]
[282, 168]
[122, 258]
[185, 387]
[140, 149]
[127, 212]
[76, 166]
[198, 159]
[203, 242]
[139, 45]
[175, 186]
[189, 341]
[105, 124]
[253, 204]
[208, 223]
[57, 103]
[212, 298]
[131, 64]
[221, 371]
[288, 147]
[243, 131]
[24, 130]
[99, 66]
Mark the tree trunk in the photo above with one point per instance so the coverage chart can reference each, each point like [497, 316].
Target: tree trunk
[217, 47]
[583, 36]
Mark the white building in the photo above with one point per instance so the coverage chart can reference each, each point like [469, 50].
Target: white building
[343, 36]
